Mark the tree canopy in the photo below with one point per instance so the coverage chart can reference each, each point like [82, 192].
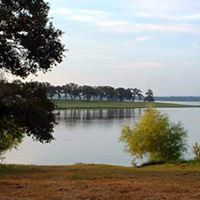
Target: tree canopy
[149, 96]
[155, 137]
[85, 92]
[28, 43]
[26, 104]
[28, 40]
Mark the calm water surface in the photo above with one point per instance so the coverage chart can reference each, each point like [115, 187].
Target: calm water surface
[92, 136]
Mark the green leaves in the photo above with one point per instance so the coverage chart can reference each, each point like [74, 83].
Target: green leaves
[28, 43]
[11, 137]
[28, 40]
[28, 110]
[155, 137]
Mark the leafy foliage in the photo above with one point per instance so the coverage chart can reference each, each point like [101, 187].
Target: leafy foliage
[155, 137]
[28, 43]
[149, 96]
[11, 137]
[74, 91]
[29, 110]
[196, 151]
[28, 40]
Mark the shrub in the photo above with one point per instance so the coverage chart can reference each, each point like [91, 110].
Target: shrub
[196, 151]
[9, 138]
[155, 138]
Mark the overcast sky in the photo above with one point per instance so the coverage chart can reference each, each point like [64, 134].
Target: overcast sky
[130, 43]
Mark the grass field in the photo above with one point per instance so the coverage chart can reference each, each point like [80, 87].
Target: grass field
[67, 104]
[167, 181]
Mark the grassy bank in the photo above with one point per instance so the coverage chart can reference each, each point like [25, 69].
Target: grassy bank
[167, 181]
[67, 104]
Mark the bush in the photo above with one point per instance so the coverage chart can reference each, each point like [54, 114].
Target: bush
[154, 137]
[9, 138]
[196, 151]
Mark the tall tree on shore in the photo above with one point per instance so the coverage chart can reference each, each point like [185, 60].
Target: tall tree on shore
[51, 91]
[109, 92]
[129, 94]
[59, 91]
[28, 43]
[67, 90]
[87, 92]
[120, 93]
[99, 90]
[149, 96]
[75, 90]
[136, 94]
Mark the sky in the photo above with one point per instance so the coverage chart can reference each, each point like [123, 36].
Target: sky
[131, 43]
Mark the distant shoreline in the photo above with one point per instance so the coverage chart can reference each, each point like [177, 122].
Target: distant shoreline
[80, 104]
[178, 98]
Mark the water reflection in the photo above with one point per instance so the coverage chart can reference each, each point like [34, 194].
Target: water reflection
[92, 136]
[102, 114]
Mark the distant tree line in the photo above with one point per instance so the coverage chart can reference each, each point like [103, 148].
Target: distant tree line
[72, 91]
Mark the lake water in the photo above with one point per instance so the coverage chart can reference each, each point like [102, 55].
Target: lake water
[92, 136]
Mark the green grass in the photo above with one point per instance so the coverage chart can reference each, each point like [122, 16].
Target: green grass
[88, 172]
[68, 104]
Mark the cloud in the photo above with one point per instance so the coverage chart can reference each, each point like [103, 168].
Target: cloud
[146, 65]
[107, 22]
[155, 65]
[166, 9]
[142, 38]
[138, 39]
[112, 23]
[166, 28]
[80, 15]
[139, 65]
[165, 6]
[191, 17]
[128, 27]
[103, 57]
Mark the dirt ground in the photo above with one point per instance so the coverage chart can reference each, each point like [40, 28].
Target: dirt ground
[94, 182]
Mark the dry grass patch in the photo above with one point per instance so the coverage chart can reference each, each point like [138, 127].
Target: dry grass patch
[172, 181]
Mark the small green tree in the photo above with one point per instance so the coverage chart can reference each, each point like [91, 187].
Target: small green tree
[155, 137]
